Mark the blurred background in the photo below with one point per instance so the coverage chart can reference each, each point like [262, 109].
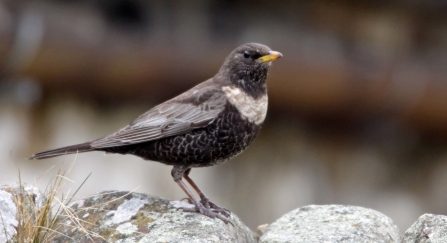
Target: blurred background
[357, 113]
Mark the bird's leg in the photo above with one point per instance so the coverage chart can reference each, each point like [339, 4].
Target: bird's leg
[203, 199]
[177, 173]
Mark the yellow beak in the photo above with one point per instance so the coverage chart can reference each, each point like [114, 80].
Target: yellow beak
[272, 56]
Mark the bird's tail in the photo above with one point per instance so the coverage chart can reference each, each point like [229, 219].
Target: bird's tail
[73, 149]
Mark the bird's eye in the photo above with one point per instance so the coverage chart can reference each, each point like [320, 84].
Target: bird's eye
[247, 54]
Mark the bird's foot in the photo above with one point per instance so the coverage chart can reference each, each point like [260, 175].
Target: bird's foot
[217, 209]
[210, 205]
[210, 212]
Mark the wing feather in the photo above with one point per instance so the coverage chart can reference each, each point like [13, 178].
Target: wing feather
[193, 109]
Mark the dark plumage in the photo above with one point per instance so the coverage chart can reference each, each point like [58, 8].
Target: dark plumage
[204, 126]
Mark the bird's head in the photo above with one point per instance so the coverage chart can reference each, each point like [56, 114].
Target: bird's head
[247, 66]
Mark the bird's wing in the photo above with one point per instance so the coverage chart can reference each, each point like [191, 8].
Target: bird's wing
[193, 109]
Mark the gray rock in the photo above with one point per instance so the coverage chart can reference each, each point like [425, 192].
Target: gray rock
[332, 223]
[133, 217]
[429, 228]
[32, 200]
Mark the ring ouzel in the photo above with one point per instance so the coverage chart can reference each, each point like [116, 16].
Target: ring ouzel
[206, 125]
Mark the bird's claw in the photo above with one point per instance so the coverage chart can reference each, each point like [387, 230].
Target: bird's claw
[217, 209]
[212, 213]
[209, 209]
[187, 199]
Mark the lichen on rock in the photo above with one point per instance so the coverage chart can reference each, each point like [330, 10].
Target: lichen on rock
[134, 217]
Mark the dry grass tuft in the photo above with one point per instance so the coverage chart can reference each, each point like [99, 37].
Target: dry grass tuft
[41, 215]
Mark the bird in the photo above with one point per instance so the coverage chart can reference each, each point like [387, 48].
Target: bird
[205, 126]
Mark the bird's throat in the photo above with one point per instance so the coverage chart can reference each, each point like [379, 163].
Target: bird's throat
[251, 109]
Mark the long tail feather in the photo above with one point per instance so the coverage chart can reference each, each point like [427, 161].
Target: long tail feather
[78, 148]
